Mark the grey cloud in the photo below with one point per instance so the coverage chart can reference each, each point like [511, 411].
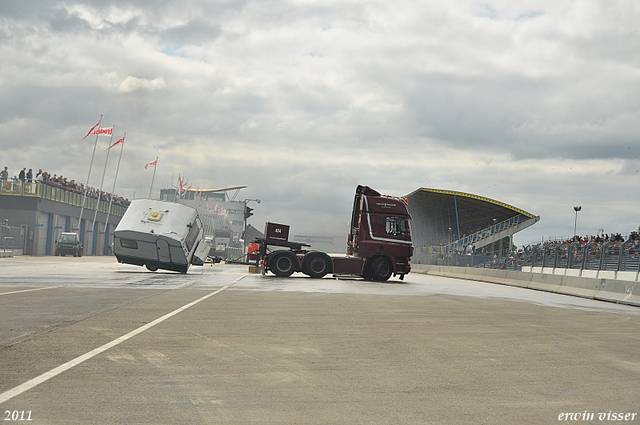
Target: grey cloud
[196, 31]
[61, 21]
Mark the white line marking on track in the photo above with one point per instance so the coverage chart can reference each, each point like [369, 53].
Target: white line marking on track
[29, 290]
[8, 395]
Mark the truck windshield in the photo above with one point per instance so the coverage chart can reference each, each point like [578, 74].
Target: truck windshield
[68, 238]
[396, 226]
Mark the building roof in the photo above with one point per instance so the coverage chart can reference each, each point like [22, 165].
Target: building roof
[463, 213]
[211, 190]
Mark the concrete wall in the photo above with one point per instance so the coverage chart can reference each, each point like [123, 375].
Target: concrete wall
[599, 288]
[597, 274]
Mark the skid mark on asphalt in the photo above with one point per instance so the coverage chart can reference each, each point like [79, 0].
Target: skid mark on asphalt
[154, 357]
[291, 373]
[121, 357]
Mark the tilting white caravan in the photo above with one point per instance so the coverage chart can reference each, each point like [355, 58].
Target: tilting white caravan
[160, 235]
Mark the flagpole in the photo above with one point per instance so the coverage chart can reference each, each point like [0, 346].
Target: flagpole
[154, 176]
[211, 221]
[86, 186]
[104, 171]
[177, 193]
[114, 182]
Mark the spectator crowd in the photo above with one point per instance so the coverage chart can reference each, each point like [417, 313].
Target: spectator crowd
[598, 239]
[63, 183]
[516, 258]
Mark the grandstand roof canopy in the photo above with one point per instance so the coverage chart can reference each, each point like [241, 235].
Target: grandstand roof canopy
[465, 213]
[211, 190]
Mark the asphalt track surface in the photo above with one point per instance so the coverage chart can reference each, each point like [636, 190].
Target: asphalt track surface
[90, 341]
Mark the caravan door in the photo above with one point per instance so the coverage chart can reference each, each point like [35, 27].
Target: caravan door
[164, 255]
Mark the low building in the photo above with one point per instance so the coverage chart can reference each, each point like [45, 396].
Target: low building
[37, 213]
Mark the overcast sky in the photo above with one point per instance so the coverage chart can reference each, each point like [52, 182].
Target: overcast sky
[533, 103]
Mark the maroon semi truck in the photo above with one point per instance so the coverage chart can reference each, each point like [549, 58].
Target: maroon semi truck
[378, 245]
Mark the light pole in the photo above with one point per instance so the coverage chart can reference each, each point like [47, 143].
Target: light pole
[575, 223]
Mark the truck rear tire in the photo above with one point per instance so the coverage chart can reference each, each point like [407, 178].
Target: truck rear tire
[316, 264]
[381, 269]
[283, 263]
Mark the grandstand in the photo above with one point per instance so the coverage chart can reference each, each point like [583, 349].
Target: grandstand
[446, 221]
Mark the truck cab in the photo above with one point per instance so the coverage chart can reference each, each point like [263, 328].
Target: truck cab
[380, 233]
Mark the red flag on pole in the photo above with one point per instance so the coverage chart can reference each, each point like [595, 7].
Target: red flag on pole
[182, 185]
[151, 163]
[116, 143]
[92, 128]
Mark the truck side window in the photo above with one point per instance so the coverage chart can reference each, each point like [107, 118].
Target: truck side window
[396, 226]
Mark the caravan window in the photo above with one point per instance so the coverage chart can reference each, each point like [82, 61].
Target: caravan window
[128, 243]
[192, 237]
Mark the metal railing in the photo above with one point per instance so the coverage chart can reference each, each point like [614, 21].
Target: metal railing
[597, 256]
[616, 256]
[485, 233]
[39, 189]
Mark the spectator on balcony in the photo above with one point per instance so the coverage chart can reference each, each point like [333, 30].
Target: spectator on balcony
[22, 175]
[30, 174]
[4, 174]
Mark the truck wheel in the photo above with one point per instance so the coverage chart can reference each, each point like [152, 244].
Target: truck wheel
[151, 267]
[381, 269]
[283, 264]
[316, 264]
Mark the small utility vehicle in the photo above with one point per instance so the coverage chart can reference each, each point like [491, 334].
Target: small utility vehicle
[69, 243]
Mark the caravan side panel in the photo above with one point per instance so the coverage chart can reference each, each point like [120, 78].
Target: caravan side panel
[156, 234]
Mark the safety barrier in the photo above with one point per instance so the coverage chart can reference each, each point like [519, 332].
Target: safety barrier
[609, 288]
